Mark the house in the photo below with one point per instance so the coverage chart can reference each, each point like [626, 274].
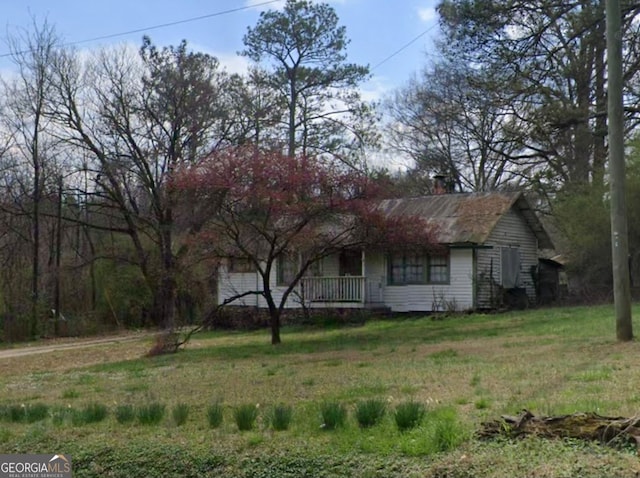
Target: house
[492, 241]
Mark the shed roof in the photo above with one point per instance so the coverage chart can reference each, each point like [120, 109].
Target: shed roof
[467, 218]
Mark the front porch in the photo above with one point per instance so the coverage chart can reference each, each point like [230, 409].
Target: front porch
[340, 291]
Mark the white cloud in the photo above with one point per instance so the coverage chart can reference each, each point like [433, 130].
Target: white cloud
[427, 14]
[277, 4]
[260, 4]
[233, 63]
[375, 89]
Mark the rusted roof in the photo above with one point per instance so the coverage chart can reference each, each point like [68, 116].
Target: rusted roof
[467, 218]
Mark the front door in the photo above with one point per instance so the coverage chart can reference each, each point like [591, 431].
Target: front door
[350, 263]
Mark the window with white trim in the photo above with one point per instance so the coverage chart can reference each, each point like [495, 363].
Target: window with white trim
[407, 269]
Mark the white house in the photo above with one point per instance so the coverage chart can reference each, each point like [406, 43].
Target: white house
[492, 247]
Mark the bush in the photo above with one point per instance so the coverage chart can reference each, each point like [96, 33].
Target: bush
[370, 412]
[334, 415]
[409, 415]
[281, 417]
[245, 416]
[180, 413]
[215, 414]
[151, 413]
[125, 413]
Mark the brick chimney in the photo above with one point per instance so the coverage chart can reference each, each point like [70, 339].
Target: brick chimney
[440, 185]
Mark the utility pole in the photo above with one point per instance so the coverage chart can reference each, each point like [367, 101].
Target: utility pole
[619, 235]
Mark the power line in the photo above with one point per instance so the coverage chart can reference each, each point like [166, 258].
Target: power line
[403, 47]
[158, 26]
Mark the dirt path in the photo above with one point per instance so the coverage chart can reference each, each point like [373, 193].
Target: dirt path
[69, 345]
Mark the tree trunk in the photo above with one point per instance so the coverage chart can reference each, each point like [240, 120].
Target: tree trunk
[275, 326]
[293, 98]
[167, 289]
[35, 258]
[581, 426]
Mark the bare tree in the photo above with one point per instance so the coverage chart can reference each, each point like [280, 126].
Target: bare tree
[137, 118]
[33, 147]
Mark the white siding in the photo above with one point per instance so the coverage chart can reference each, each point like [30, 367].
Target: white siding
[231, 284]
[457, 294]
[511, 231]
[376, 277]
[236, 283]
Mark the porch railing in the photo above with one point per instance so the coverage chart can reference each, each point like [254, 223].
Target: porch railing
[333, 289]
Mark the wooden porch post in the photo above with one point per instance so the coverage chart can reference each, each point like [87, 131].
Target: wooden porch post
[364, 278]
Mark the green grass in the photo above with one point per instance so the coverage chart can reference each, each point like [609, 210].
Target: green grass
[370, 412]
[245, 416]
[281, 417]
[150, 413]
[460, 371]
[334, 415]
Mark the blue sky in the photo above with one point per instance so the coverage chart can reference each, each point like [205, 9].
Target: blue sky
[377, 29]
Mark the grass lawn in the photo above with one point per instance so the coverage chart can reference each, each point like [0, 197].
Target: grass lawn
[464, 370]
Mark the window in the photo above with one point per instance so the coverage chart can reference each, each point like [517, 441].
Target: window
[418, 269]
[510, 259]
[438, 269]
[240, 265]
[287, 268]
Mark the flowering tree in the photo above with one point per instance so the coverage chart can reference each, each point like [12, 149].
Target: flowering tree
[258, 206]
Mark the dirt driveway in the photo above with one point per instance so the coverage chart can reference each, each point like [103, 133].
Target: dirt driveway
[70, 344]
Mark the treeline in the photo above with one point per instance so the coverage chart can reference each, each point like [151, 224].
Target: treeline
[93, 234]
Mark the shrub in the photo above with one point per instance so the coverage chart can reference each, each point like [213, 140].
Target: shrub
[281, 417]
[334, 415]
[370, 412]
[215, 414]
[245, 416]
[151, 413]
[125, 413]
[409, 415]
[180, 413]
[90, 413]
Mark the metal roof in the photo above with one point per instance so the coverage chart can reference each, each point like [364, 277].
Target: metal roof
[467, 218]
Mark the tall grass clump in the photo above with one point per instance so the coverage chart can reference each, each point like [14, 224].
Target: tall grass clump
[446, 431]
[334, 415]
[408, 415]
[370, 412]
[91, 413]
[125, 413]
[36, 412]
[281, 417]
[215, 414]
[180, 413]
[245, 416]
[150, 413]
[31, 413]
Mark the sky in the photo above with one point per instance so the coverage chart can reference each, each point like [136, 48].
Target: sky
[378, 29]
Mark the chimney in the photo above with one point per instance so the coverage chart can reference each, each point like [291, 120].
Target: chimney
[440, 185]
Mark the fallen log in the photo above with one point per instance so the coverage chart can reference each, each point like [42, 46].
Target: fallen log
[611, 431]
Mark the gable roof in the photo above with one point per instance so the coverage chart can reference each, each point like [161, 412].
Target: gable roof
[467, 218]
